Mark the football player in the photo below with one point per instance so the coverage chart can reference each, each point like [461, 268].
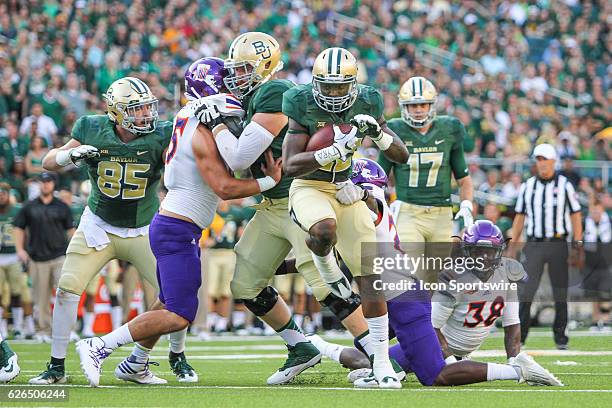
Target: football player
[9, 368]
[196, 179]
[423, 209]
[321, 201]
[11, 270]
[254, 59]
[123, 154]
[410, 318]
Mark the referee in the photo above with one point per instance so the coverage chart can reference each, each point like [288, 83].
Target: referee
[549, 211]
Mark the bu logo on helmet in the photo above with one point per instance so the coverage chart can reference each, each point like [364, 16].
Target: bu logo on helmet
[262, 49]
[200, 72]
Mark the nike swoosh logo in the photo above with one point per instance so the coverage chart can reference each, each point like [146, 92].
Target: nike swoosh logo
[438, 142]
[141, 153]
[9, 370]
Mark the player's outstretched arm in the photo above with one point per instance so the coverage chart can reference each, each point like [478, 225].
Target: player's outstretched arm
[241, 152]
[397, 151]
[512, 340]
[50, 160]
[216, 175]
[72, 152]
[296, 160]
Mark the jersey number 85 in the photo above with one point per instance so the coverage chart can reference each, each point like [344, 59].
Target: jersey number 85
[115, 178]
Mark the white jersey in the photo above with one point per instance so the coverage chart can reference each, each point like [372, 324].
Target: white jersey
[465, 318]
[385, 225]
[188, 194]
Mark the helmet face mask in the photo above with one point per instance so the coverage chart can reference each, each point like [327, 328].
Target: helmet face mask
[334, 80]
[132, 106]
[254, 58]
[418, 91]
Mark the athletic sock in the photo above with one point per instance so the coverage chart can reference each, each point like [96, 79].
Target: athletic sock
[329, 350]
[299, 320]
[118, 338]
[211, 320]
[502, 372]
[379, 332]
[140, 354]
[30, 329]
[17, 313]
[221, 324]
[317, 319]
[177, 341]
[88, 322]
[292, 334]
[328, 267]
[238, 318]
[365, 341]
[64, 318]
[57, 362]
[116, 316]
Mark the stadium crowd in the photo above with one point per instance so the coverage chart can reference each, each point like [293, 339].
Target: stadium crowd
[496, 65]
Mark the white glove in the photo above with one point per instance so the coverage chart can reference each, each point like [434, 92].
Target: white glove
[345, 142]
[348, 193]
[465, 212]
[76, 155]
[210, 110]
[368, 126]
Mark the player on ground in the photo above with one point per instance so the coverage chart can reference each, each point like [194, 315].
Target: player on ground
[418, 350]
[335, 97]
[196, 179]
[9, 368]
[254, 59]
[123, 154]
[423, 209]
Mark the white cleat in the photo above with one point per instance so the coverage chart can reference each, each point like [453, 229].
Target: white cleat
[92, 354]
[383, 376]
[138, 373]
[358, 374]
[10, 369]
[532, 373]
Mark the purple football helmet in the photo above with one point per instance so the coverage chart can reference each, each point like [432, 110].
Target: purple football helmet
[204, 77]
[484, 242]
[368, 171]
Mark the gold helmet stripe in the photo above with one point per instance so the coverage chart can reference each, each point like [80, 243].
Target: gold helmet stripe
[329, 60]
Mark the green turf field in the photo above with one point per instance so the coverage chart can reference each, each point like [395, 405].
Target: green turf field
[233, 372]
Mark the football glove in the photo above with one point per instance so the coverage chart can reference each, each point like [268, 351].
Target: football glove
[465, 212]
[346, 143]
[81, 153]
[348, 193]
[368, 126]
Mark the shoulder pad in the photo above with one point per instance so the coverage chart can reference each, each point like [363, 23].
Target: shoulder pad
[514, 269]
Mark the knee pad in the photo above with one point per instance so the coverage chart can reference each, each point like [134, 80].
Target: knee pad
[342, 308]
[262, 303]
[68, 282]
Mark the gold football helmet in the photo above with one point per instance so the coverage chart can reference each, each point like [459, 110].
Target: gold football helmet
[253, 59]
[418, 90]
[334, 80]
[131, 105]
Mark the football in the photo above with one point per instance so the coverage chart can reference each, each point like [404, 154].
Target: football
[324, 137]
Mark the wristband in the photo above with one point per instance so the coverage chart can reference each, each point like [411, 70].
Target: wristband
[384, 141]
[62, 158]
[327, 155]
[265, 183]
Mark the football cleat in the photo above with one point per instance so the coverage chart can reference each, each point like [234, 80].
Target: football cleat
[301, 357]
[138, 373]
[181, 368]
[361, 373]
[52, 375]
[532, 373]
[92, 353]
[9, 369]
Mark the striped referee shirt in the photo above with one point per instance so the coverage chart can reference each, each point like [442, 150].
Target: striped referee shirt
[547, 205]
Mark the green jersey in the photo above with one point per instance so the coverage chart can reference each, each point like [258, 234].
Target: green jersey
[268, 98]
[234, 218]
[426, 178]
[7, 243]
[125, 177]
[299, 105]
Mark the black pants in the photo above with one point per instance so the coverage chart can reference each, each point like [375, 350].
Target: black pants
[555, 255]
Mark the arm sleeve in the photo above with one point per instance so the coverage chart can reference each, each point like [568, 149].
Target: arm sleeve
[511, 314]
[240, 153]
[570, 193]
[457, 158]
[21, 219]
[442, 307]
[79, 130]
[519, 208]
